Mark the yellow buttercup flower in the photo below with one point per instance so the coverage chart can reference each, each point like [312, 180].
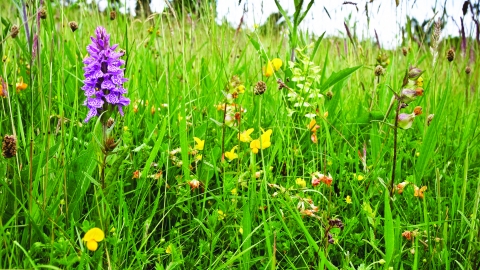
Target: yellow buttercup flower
[92, 237]
[231, 155]
[262, 143]
[348, 200]
[245, 136]
[200, 143]
[276, 63]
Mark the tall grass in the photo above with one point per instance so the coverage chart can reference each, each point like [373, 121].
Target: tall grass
[253, 212]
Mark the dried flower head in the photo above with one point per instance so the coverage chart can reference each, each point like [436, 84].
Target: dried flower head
[42, 13]
[379, 70]
[3, 88]
[430, 119]
[260, 88]
[468, 70]
[103, 76]
[418, 192]
[14, 31]
[9, 146]
[113, 15]
[404, 51]
[194, 184]
[450, 55]
[73, 26]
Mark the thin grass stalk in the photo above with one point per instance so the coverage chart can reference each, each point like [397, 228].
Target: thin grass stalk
[395, 139]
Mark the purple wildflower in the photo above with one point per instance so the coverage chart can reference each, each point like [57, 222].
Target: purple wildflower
[103, 76]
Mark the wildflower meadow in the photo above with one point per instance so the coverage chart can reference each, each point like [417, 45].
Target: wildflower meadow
[172, 141]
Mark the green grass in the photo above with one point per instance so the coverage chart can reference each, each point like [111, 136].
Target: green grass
[248, 213]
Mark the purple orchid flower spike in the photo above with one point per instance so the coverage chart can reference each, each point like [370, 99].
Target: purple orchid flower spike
[103, 84]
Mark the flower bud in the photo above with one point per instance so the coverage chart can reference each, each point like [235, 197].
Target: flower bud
[194, 184]
[404, 51]
[414, 73]
[429, 119]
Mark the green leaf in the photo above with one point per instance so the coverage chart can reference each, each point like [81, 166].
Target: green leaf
[389, 233]
[338, 76]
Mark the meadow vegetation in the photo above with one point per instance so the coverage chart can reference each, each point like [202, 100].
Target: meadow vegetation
[239, 149]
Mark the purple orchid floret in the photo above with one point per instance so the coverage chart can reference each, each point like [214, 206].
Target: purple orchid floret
[103, 84]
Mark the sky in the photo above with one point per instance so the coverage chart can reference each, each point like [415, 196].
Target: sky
[385, 17]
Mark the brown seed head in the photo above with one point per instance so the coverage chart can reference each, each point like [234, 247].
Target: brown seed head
[9, 146]
[468, 70]
[113, 15]
[404, 51]
[379, 70]
[14, 31]
[260, 88]
[73, 25]
[42, 13]
[450, 55]
[110, 144]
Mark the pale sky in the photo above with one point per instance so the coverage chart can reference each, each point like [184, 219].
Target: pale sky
[385, 17]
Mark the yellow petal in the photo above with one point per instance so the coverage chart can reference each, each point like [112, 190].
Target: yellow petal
[200, 143]
[245, 136]
[92, 245]
[95, 234]
[276, 63]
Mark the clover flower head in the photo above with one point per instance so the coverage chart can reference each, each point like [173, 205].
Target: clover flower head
[92, 237]
[103, 84]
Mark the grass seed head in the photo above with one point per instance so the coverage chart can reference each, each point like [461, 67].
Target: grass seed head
[9, 146]
[450, 55]
[73, 26]
[14, 31]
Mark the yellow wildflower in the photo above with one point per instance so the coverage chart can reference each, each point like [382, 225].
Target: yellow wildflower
[312, 126]
[221, 215]
[245, 136]
[419, 82]
[169, 249]
[360, 177]
[234, 192]
[241, 89]
[268, 70]
[276, 63]
[92, 237]
[231, 155]
[200, 143]
[418, 192]
[262, 143]
[348, 199]
[21, 85]
[301, 182]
